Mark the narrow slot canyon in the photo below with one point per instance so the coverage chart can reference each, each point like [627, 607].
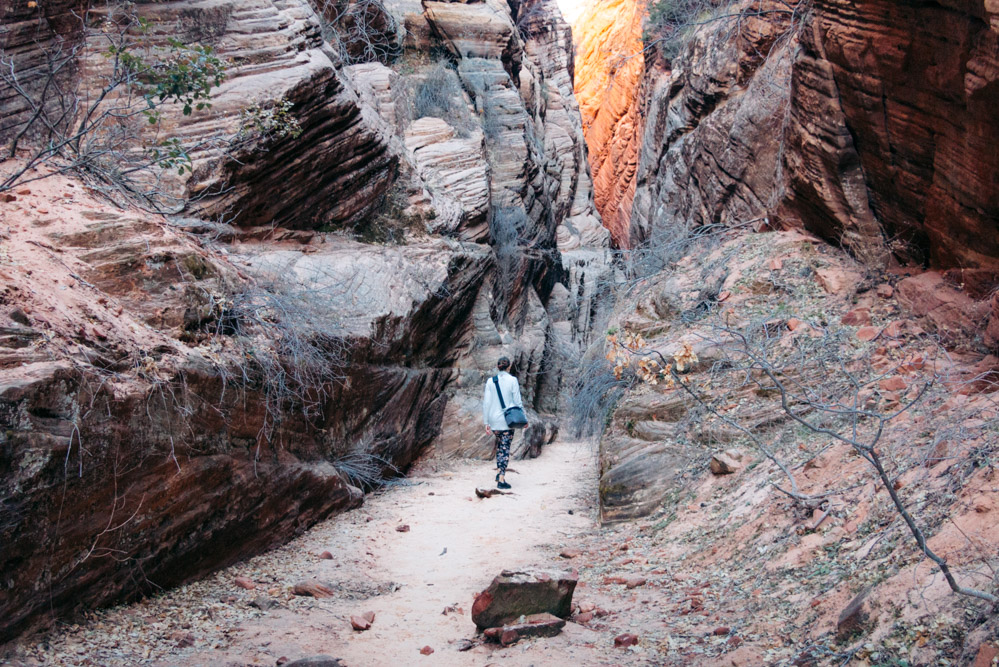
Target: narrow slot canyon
[260, 262]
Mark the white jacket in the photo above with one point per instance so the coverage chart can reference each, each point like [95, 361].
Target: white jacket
[492, 413]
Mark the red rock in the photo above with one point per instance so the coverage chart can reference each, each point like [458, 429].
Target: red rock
[534, 625]
[587, 606]
[625, 640]
[183, 639]
[24, 191]
[837, 281]
[724, 295]
[9, 197]
[987, 654]
[243, 582]
[363, 622]
[776, 264]
[793, 324]
[584, 618]
[515, 594]
[570, 553]
[723, 630]
[725, 463]
[892, 330]
[313, 588]
[868, 333]
[634, 582]
[734, 641]
[404, 528]
[885, 291]
[945, 310]
[326, 555]
[894, 383]
[857, 317]
[426, 650]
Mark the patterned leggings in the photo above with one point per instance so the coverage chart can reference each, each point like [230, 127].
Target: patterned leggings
[503, 440]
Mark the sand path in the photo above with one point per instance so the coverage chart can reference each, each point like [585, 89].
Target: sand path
[455, 544]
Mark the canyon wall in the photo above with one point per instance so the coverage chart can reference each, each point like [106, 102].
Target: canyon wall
[868, 124]
[611, 63]
[178, 392]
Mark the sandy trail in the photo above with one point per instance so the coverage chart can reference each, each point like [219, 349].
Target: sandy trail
[455, 545]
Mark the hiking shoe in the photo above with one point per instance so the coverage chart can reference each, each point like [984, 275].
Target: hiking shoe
[502, 485]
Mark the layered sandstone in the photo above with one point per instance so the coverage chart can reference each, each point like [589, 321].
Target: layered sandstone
[610, 66]
[195, 389]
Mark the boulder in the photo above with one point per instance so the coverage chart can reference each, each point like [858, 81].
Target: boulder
[515, 594]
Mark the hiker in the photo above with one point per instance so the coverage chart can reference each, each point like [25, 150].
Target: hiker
[502, 411]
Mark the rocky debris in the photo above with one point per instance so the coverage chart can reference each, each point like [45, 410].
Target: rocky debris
[726, 463]
[426, 650]
[570, 553]
[515, 594]
[625, 640]
[362, 622]
[316, 661]
[532, 625]
[856, 617]
[326, 555]
[403, 528]
[313, 588]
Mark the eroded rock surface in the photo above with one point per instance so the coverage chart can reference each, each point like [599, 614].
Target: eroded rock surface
[195, 389]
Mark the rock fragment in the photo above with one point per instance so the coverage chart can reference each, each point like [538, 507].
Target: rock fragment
[243, 582]
[363, 622]
[535, 625]
[313, 588]
[726, 463]
[625, 640]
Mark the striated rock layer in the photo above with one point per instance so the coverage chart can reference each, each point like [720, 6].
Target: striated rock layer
[611, 63]
[870, 124]
[177, 393]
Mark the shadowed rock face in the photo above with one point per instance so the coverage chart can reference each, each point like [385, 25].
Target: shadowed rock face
[918, 88]
[876, 133]
[140, 443]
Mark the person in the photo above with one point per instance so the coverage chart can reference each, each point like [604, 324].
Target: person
[492, 415]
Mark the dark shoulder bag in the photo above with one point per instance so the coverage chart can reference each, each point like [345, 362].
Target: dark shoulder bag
[514, 415]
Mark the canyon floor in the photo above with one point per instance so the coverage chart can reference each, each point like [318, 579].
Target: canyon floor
[419, 583]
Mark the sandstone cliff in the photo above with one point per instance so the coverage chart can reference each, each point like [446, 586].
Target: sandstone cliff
[180, 392]
[611, 63]
[864, 123]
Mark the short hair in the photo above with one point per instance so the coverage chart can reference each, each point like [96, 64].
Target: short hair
[503, 363]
